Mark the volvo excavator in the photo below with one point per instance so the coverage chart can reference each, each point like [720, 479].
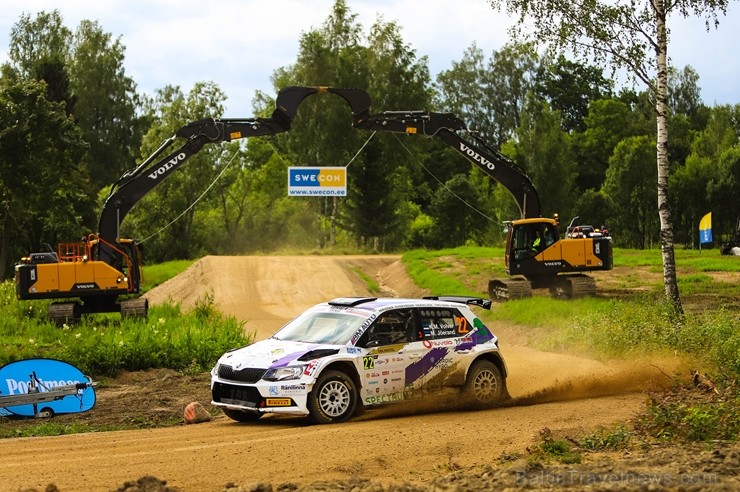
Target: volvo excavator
[536, 256]
[102, 273]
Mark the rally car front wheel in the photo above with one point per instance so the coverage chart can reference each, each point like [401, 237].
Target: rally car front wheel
[333, 399]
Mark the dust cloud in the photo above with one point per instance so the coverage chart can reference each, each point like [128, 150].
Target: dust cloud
[550, 386]
[625, 378]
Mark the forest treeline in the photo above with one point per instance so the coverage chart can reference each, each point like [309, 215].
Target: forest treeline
[72, 123]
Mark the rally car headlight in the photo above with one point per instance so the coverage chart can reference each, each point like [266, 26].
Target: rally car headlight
[284, 373]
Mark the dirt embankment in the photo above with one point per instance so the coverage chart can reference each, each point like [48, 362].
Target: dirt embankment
[267, 291]
[417, 445]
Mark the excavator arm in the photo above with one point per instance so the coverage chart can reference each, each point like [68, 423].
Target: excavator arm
[132, 186]
[448, 128]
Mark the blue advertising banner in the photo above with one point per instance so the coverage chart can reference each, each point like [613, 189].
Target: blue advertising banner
[317, 181]
[52, 386]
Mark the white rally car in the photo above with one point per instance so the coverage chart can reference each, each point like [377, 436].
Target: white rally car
[344, 355]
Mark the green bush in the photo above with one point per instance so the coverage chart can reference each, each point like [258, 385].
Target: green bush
[101, 345]
[685, 413]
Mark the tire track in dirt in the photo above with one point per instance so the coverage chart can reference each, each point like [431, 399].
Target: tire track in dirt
[390, 447]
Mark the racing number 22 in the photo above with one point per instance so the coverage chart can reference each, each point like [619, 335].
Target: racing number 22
[462, 325]
[368, 362]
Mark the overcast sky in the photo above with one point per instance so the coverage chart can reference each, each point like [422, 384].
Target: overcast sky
[239, 43]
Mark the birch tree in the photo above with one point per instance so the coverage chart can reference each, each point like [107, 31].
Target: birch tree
[627, 35]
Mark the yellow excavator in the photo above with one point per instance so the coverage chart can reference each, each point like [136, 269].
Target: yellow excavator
[102, 273]
[532, 260]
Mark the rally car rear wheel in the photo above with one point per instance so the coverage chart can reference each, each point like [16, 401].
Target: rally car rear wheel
[485, 385]
[333, 399]
[240, 416]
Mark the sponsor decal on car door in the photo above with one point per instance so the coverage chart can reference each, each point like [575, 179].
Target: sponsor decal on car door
[384, 375]
[442, 329]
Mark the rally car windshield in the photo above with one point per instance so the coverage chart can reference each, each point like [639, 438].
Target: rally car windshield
[321, 327]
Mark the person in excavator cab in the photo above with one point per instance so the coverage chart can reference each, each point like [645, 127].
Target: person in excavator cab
[539, 243]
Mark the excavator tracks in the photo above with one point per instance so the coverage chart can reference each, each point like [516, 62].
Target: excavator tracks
[65, 312]
[509, 289]
[135, 308]
[561, 286]
[573, 286]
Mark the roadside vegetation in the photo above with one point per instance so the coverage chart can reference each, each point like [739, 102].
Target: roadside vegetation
[103, 344]
[372, 285]
[703, 406]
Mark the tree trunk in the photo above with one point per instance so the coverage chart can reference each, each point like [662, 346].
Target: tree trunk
[664, 212]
